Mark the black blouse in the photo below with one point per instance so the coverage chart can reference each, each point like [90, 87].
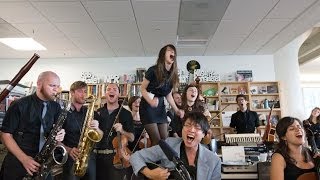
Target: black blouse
[154, 86]
[107, 120]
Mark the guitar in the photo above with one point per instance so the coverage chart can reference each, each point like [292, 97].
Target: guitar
[174, 175]
[269, 134]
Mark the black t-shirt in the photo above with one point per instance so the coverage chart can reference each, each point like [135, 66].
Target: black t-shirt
[292, 171]
[315, 128]
[107, 120]
[154, 85]
[191, 169]
[74, 125]
[23, 121]
[138, 129]
[244, 122]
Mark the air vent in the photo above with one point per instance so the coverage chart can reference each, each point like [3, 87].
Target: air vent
[192, 42]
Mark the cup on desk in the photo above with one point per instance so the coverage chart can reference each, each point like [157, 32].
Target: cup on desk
[263, 157]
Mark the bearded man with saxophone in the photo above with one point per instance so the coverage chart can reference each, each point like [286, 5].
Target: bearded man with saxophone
[26, 124]
[74, 127]
[124, 125]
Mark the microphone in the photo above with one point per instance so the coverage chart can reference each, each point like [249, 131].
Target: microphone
[172, 155]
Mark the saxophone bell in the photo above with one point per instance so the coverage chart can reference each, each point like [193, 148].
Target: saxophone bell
[60, 155]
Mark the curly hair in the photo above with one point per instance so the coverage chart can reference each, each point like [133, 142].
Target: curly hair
[198, 104]
[282, 148]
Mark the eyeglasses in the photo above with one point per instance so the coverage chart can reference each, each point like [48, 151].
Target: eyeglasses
[196, 126]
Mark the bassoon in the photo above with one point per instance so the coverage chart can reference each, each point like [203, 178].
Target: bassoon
[19, 76]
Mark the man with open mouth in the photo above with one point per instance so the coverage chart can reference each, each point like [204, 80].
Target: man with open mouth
[201, 163]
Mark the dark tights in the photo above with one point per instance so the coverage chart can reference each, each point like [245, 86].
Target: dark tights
[157, 132]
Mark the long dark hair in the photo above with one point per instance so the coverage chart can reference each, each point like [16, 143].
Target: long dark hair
[132, 100]
[198, 104]
[161, 69]
[310, 117]
[283, 149]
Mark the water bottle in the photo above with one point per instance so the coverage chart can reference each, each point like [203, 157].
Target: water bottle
[266, 104]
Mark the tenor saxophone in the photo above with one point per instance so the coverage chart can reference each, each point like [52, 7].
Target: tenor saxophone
[51, 153]
[89, 137]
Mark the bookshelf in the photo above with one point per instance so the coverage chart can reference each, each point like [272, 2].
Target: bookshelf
[126, 89]
[221, 101]
[17, 92]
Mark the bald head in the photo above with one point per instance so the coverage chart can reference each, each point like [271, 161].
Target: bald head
[48, 84]
[42, 76]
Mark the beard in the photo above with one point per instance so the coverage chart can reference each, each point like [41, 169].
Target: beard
[80, 100]
[46, 95]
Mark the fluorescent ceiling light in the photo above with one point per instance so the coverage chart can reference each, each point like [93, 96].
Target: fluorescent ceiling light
[22, 44]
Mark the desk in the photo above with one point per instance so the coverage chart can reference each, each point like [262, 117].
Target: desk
[239, 176]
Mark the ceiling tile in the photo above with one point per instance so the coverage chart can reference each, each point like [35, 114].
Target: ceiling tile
[223, 45]
[101, 11]
[247, 9]
[203, 10]
[196, 29]
[63, 11]
[190, 51]
[296, 7]
[295, 28]
[156, 10]
[119, 29]
[39, 30]
[266, 30]
[78, 29]
[20, 12]
[9, 31]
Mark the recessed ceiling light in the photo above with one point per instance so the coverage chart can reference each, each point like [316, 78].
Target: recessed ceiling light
[22, 44]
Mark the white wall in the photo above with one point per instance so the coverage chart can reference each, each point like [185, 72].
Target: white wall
[70, 70]
[287, 71]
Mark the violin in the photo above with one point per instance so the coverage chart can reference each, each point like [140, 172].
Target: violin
[120, 143]
[120, 159]
[145, 141]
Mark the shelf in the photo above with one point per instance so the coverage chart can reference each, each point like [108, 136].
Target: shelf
[215, 111]
[211, 96]
[233, 94]
[225, 95]
[268, 94]
[228, 102]
[266, 110]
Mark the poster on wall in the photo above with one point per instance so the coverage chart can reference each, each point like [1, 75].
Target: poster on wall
[244, 75]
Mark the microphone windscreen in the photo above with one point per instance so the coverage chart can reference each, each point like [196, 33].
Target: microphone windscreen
[168, 151]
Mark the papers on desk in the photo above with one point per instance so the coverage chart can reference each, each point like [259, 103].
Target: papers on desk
[233, 155]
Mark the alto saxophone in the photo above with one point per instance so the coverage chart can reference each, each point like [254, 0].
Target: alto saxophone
[89, 137]
[51, 153]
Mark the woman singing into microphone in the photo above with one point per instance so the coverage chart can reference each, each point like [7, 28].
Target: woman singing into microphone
[158, 83]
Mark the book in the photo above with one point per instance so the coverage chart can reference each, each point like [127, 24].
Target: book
[272, 89]
[233, 90]
[254, 90]
[255, 104]
[225, 90]
[244, 75]
[262, 90]
[242, 90]
[210, 92]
